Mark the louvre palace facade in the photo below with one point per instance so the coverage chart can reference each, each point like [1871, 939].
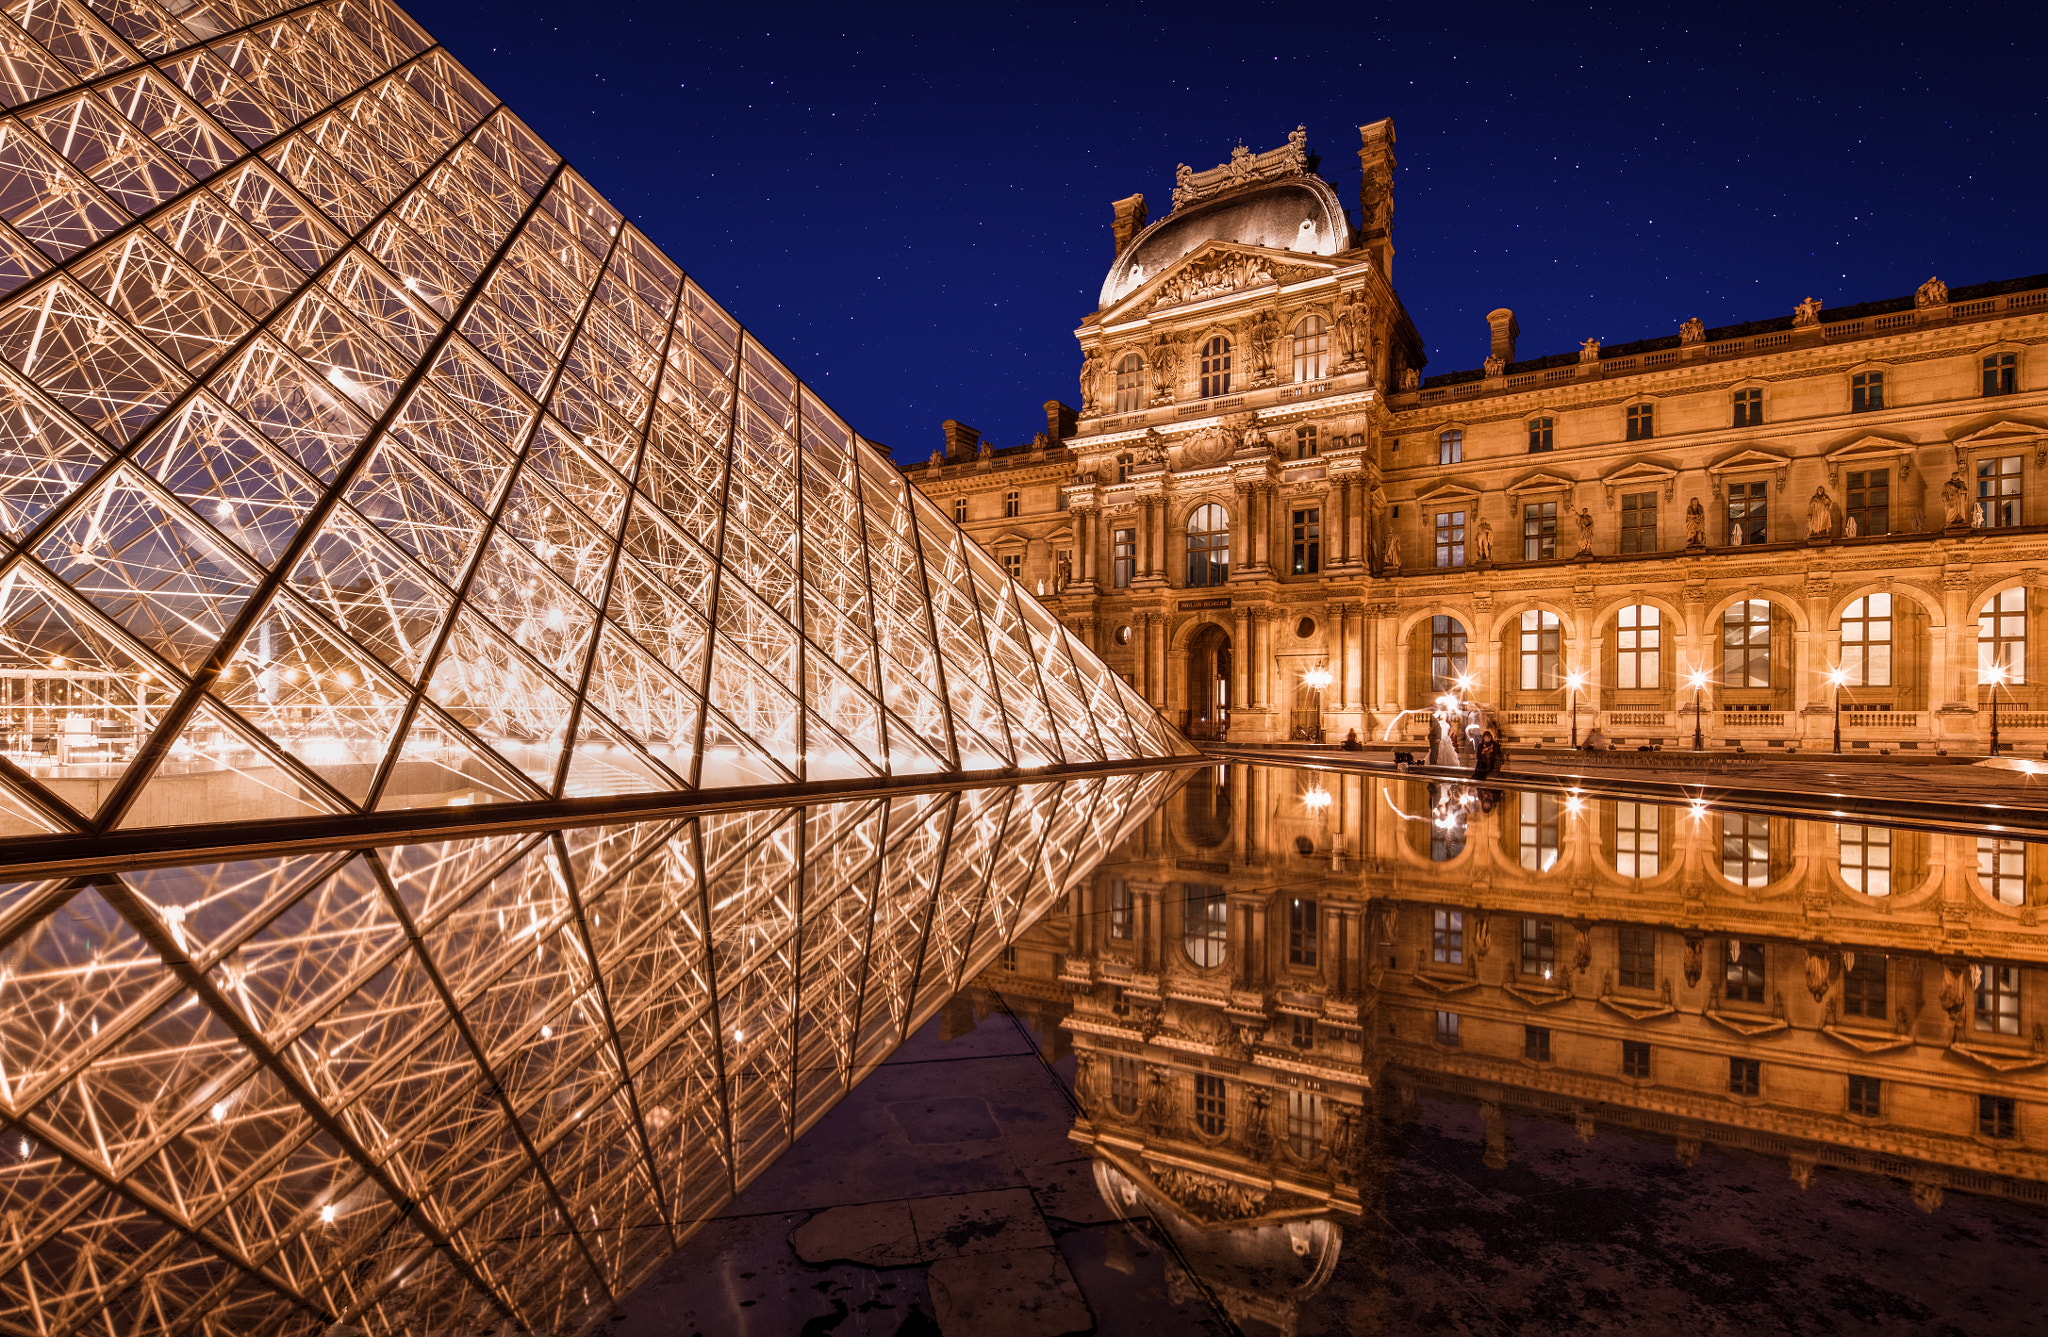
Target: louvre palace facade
[1712, 525]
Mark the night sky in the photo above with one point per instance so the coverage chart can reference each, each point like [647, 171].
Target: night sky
[910, 204]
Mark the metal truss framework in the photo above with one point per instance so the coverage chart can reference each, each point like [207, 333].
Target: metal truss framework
[440, 1086]
[357, 460]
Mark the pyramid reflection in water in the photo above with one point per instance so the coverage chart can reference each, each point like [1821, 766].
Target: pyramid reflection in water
[356, 455]
[437, 1087]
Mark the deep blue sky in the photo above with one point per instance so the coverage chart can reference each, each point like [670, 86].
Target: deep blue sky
[910, 204]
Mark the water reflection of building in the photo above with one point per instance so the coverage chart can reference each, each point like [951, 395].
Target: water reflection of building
[1277, 956]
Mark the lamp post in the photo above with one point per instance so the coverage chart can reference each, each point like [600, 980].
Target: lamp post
[1697, 680]
[1573, 681]
[1995, 675]
[1838, 677]
[1318, 678]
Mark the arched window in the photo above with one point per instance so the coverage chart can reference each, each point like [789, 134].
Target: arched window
[1542, 638]
[1638, 633]
[1205, 931]
[1867, 642]
[2002, 636]
[1209, 545]
[1746, 849]
[1130, 383]
[1746, 644]
[1216, 367]
[1446, 653]
[1311, 348]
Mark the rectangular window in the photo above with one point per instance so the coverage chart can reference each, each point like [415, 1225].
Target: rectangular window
[1123, 557]
[1638, 958]
[1540, 435]
[1013, 564]
[1011, 505]
[2002, 635]
[1209, 1104]
[1998, 492]
[1746, 644]
[1869, 505]
[1866, 1096]
[1745, 1076]
[959, 510]
[1635, 1059]
[1866, 391]
[1743, 979]
[1304, 1032]
[1536, 832]
[1536, 1043]
[1215, 367]
[1638, 639]
[1639, 422]
[1995, 1117]
[1539, 948]
[1308, 541]
[1305, 1124]
[1450, 538]
[1450, 447]
[1124, 1088]
[1639, 522]
[1539, 531]
[1302, 928]
[1749, 408]
[1867, 641]
[1541, 643]
[1998, 999]
[2002, 868]
[1446, 652]
[2002, 374]
[1748, 518]
[1447, 1028]
[1746, 850]
[1447, 937]
[1864, 988]
[1305, 445]
[1009, 958]
[1864, 856]
[1121, 906]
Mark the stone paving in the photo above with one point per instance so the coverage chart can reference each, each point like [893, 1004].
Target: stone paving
[942, 1197]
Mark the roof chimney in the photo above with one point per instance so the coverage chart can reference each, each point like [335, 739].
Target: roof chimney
[1130, 220]
[1059, 420]
[1504, 332]
[961, 440]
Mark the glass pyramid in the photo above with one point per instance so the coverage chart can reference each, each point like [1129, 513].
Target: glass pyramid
[360, 464]
[356, 455]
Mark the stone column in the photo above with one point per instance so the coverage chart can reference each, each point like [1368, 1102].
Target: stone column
[1240, 535]
[1158, 642]
[1240, 658]
[1140, 678]
[1337, 534]
[1084, 539]
[1267, 493]
[1145, 509]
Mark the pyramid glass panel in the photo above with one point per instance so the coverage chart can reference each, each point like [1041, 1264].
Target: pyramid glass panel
[366, 477]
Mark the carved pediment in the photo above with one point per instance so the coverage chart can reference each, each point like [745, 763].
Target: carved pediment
[1007, 541]
[1444, 986]
[1543, 481]
[1746, 1025]
[1216, 269]
[1870, 450]
[1448, 490]
[1866, 1042]
[1750, 459]
[1636, 1009]
[1642, 473]
[1999, 433]
[1206, 1197]
[1244, 170]
[1537, 997]
[1999, 1060]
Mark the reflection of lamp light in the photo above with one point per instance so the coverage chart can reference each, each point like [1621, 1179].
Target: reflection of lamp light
[1316, 800]
[1318, 678]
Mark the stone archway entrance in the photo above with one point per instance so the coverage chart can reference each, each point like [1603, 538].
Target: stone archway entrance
[1208, 698]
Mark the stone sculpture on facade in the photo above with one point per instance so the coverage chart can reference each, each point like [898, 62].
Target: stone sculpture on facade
[1062, 573]
[1390, 555]
[1262, 338]
[1495, 364]
[1693, 331]
[1482, 542]
[1353, 319]
[1955, 501]
[1695, 524]
[1589, 350]
[1091, 381]
[1806, 313]
[1165, 360]
[1931, 293]
[1585, 532]
[1820, 514]
[1410, 378]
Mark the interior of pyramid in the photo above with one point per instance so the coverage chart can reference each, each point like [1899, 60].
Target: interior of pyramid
[356, 455]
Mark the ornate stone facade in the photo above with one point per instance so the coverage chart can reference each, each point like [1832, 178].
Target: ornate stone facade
[1860, 488]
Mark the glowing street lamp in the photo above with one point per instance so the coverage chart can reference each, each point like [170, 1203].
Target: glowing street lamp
[1697, 680]
[1995, 674]
[1573, 681]
[1838, 676]
[1319, 679]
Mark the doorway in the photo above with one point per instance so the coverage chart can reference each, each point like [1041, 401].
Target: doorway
[1208, 682]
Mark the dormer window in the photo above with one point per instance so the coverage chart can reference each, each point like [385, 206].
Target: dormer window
[959, 510]
[1130, 384]
[1866, 391]
[1305, 444]
[1641, 422]
[1216, 367]
[2002, 374]
[1450, 446]
[1311, 349]
[1123, 468]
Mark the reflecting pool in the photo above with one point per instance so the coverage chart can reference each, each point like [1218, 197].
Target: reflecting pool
[1317, 1052]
